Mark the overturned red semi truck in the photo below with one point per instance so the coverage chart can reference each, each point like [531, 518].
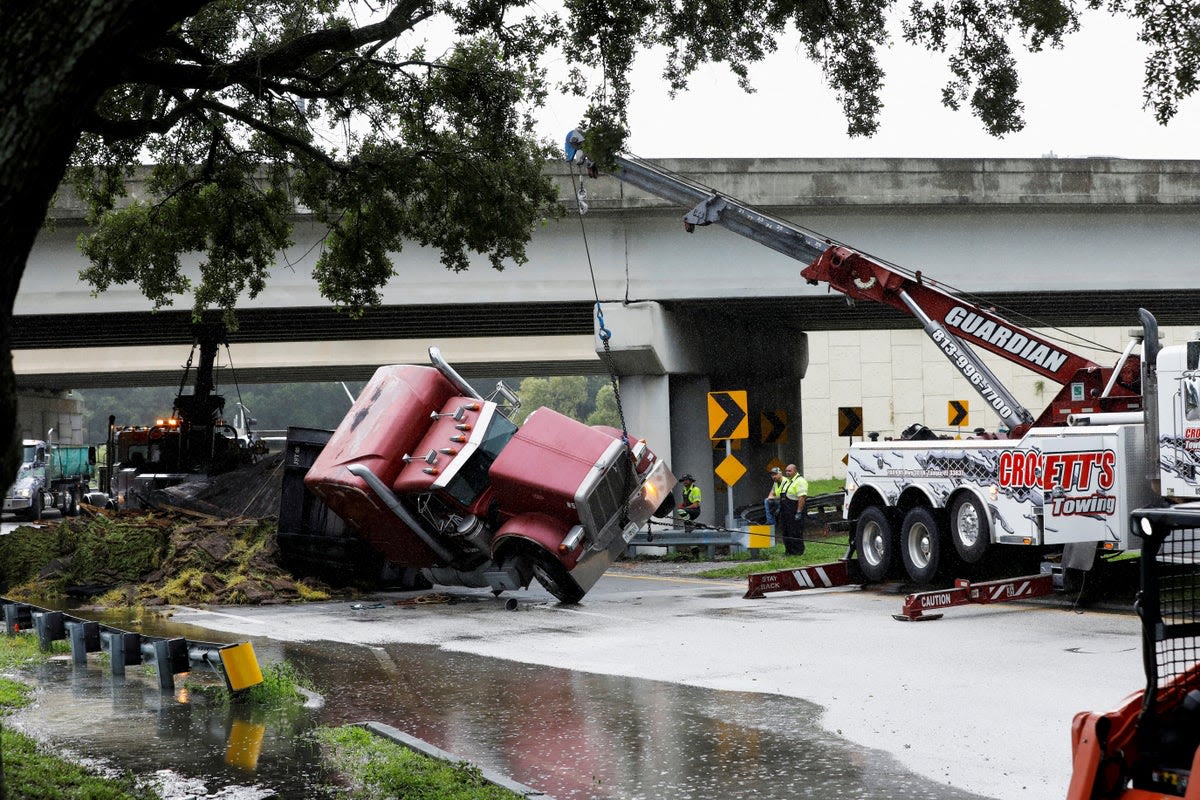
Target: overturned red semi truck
[432, 475]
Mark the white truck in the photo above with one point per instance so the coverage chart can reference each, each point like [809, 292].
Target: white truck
[51, 476]
[1062, 481]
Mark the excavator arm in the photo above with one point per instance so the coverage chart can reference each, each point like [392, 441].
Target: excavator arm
[951, 322]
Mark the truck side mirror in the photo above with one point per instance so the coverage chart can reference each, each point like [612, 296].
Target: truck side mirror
[91, 455]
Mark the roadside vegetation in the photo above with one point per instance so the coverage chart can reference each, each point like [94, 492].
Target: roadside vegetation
[367, 766]
[31, 771]
[374, 767]
[132, 559]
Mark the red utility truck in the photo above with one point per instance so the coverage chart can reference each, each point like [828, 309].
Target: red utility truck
[432, 475]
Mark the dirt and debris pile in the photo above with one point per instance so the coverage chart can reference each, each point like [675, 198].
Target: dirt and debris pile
[127, 558]
[251, 492]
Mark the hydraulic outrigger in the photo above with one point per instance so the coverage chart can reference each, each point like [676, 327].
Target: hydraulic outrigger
[916, 605]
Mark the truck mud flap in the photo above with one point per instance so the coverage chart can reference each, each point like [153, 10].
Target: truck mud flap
[817, 576]
[964, 593]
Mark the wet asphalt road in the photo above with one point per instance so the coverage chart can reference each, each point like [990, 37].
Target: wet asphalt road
[981, 700]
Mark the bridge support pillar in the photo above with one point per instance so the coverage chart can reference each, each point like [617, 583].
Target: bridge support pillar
[668, 363]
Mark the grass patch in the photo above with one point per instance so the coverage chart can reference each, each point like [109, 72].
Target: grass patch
[281, 685]
[825, 486]
[819, 551]
[22, 650]
[375, 768]
[31, 772]
[14, 694]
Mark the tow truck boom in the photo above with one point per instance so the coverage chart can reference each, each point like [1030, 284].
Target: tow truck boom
[952, 322]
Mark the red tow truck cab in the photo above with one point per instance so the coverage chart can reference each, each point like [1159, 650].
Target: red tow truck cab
[434, 476]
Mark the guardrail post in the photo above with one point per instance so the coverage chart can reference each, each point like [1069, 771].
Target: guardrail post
[17, 617]
[49, 627]
[85, 638]
[170, 656]
[124, 650]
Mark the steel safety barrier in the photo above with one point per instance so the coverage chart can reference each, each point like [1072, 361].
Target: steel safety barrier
[170, 656]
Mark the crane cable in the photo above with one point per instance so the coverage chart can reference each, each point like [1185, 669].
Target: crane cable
[629, 479]
[602, 331]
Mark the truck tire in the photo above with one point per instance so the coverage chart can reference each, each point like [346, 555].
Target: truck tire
[71, 505]
[875, 543]
[921, 544]
[970, 529]
[552, 575]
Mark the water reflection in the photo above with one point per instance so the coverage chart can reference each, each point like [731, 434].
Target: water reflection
[130, 724]
[581, 735]
[570, 734]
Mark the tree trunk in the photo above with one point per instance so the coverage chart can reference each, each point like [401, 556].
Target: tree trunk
[56, 59]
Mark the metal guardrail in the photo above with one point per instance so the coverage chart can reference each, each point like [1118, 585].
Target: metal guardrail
[752, 537]
[753, 531]
[236, 663]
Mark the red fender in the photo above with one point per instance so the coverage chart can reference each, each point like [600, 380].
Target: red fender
[541, 529]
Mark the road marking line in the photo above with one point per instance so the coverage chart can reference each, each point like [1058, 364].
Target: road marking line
[222, 614]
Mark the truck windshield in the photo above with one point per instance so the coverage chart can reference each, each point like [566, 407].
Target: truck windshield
[472, 478]
[30, 454]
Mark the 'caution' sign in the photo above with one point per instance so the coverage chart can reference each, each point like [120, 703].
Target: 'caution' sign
[850, 421]
[956, 413]
[727, 415]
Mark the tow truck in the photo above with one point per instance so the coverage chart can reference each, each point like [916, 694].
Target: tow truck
[194, 442]
[1061, 483]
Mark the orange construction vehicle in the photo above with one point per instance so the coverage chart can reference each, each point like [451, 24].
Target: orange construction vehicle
[1149, 747]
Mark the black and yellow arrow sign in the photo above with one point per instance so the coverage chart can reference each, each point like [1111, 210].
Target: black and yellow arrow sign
[956, 413]
[774, 426]
[727, 416]
[850, 421]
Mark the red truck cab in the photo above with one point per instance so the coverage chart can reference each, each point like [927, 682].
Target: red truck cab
[432, 475]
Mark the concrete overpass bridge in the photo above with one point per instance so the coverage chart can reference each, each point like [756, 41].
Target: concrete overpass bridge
[1079, 243]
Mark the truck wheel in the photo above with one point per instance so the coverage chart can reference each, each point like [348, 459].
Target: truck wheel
[554, 577]
[875, 542]
[969, 529]
[72, 505]
[921, 544]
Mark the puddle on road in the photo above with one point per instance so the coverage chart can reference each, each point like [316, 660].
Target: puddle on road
[569, 734]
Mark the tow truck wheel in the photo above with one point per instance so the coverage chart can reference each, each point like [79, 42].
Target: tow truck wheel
[969, 529]
[552, 575]
[875, 542]
[921, 544]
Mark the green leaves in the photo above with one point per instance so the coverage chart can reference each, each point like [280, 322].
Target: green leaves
[252, 112]
[233, 225]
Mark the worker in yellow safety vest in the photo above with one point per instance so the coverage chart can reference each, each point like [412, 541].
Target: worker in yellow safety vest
[689, 509]
[793, 494]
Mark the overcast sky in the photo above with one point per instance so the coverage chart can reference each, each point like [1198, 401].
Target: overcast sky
[1082, 100]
